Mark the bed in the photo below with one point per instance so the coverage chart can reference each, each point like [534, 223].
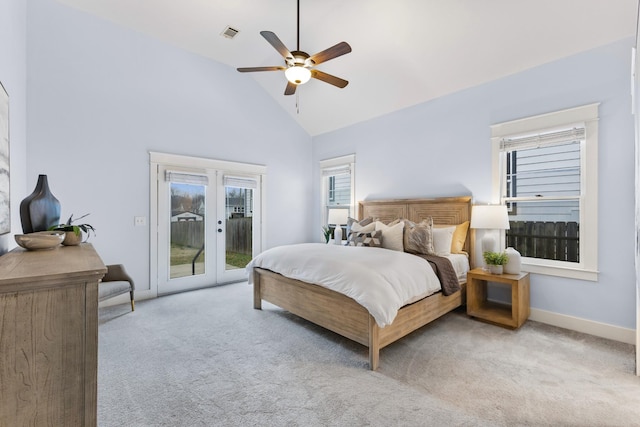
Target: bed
[342, 314]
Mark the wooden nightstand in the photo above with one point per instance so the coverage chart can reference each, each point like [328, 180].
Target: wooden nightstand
[510, 316]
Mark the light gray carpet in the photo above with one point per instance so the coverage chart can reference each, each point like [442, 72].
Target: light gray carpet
[207, 358]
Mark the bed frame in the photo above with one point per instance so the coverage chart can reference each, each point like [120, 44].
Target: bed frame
[343, 315]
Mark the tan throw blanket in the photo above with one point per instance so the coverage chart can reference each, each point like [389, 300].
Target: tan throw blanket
[445, 272]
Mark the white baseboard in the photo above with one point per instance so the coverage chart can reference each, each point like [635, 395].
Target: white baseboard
[603, 330]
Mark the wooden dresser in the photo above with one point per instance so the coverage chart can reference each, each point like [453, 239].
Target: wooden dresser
[49, 336]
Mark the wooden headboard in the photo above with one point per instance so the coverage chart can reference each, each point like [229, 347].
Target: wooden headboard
[443, 210]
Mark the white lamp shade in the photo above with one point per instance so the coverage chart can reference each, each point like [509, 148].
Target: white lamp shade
[298, 74]
[338, 216]
[490, 217]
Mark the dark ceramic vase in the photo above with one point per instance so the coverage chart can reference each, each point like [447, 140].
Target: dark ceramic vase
[40, 210]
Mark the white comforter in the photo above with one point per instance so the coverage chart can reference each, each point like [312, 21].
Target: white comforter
[381, 280]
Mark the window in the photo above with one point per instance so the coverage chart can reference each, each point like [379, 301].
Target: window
[332, 189]
[545, 171]
[338, 177]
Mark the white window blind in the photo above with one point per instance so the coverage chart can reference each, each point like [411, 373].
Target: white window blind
[186, 178]
[540, 140]
[343, 170]
[240, 182]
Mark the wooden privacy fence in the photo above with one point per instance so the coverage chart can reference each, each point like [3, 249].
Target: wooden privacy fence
[191, 234]
[188, 233]
[548, 240]
[239, 235]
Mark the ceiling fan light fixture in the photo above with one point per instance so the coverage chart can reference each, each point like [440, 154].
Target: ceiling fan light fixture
[298, 74]
[298, 65]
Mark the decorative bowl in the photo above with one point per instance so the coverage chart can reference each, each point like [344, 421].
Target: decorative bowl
[40, 240]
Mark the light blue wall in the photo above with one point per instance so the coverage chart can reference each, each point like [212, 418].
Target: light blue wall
[13, 62]
[101, 96]
[443, 148]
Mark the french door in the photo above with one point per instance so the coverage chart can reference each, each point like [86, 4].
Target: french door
[237, 228]
[209, 226]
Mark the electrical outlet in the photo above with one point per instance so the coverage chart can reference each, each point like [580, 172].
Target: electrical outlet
[140, 221]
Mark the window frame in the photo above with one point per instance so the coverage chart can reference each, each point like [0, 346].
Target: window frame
[348, 161]
[331, 189]
[587, 268]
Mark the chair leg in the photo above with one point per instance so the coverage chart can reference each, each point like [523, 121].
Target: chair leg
[133, 308]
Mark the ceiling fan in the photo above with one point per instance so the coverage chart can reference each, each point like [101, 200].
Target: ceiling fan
[299, 65]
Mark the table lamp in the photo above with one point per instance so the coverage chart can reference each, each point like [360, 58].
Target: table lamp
[490, 218]
[339, 218]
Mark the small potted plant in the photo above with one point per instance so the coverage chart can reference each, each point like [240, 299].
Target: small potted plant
[326, 233]
[495, 261]
[73, 232]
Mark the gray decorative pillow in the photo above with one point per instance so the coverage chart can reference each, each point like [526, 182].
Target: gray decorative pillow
[418, 238]
[371, 239]
[364, 222]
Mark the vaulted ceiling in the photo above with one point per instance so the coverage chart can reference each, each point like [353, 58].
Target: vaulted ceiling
[405, 52]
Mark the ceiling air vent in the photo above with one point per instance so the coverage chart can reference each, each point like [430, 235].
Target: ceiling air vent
[229, 32]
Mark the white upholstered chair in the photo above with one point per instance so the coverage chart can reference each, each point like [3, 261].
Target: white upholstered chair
[116, 282]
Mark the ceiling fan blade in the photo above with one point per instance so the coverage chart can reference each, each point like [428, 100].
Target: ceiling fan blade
[276, 43]
[252, 69]
[328, 78]
[290, 89]
[340, 49]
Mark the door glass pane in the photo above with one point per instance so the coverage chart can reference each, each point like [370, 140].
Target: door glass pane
[239, 227]
[187, 230]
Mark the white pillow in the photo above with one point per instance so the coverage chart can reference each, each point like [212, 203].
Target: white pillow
[392, 236]
[442, 238]
[357, 228]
